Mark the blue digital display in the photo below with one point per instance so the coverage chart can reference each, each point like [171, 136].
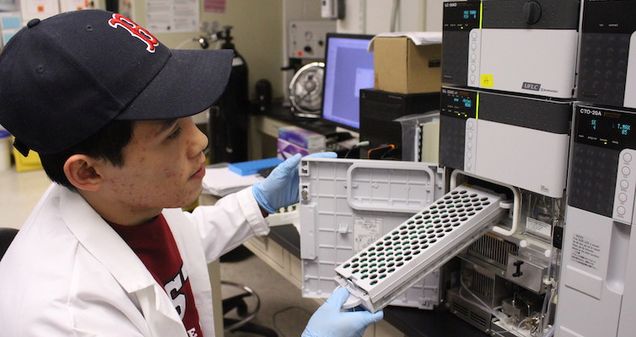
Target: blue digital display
[470, 14]
[458, 103]
[624, 128]
[461, 15]
[594, 124]
[467, 102]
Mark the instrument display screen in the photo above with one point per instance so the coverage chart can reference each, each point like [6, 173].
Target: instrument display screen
[604, 127]
[461, 15]
[458, 103]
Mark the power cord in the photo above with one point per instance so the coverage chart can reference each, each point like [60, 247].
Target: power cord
[356, 146]
[385, 151]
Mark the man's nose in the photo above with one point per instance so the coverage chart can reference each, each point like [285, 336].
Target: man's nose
[199, 142]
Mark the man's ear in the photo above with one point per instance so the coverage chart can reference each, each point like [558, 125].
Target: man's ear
[81, 171]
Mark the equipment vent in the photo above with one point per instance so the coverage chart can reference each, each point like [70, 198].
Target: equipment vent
[479, 320]
[469, 312]
[493, 249]
[460, 309]
[482, 285]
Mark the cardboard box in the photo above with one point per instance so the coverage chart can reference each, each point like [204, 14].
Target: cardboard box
[403, 67]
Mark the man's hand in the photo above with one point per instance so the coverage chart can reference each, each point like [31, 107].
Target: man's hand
[280, 188]
[330, 321]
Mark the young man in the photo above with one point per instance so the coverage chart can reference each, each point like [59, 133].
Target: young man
[107, 250]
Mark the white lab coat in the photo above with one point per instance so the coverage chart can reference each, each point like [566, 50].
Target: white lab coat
[68, 273]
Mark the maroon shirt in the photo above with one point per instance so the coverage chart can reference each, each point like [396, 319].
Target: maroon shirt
[155, 246]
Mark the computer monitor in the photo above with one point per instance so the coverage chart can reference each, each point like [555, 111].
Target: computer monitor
[348, 68]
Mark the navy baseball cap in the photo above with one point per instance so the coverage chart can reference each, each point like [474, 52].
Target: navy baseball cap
[64, 78]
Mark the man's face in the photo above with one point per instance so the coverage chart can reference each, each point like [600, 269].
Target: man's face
[163, 166]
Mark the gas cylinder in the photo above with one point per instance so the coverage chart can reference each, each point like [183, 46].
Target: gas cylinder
[229, 118]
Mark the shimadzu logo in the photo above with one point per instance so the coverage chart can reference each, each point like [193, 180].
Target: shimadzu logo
[531, 86]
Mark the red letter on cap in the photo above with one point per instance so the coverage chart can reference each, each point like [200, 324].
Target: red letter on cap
[135, 30]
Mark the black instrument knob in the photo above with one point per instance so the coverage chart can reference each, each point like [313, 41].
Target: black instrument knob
[532, 12]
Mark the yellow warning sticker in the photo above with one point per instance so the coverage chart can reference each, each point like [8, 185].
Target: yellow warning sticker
[487, 81]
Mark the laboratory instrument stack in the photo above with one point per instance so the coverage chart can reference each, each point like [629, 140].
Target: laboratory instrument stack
[509, 76]
[598, 269]
[537, 151]
[505, 118]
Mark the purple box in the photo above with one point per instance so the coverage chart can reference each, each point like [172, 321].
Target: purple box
[306, 139]
[285, 149]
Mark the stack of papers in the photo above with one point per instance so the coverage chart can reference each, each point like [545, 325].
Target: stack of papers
[221, 181]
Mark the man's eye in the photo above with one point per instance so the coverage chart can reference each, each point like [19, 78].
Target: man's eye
[175, 133]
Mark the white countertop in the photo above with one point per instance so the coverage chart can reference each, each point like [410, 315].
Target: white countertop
[19, 192]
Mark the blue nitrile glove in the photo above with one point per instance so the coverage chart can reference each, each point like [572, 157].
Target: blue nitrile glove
[330, 321]
[280, 188]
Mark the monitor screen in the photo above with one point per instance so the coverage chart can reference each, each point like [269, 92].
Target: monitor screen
[348, 68]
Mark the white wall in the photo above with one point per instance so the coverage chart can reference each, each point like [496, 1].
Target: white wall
[260, 28]
[434, 12]
[374, 16]
[257, 30]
